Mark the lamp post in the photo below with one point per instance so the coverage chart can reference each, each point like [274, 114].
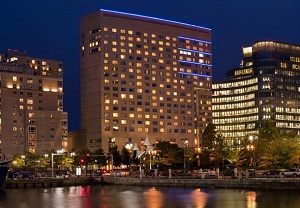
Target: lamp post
[251, 147]
[45, 163]
[152, 152]
[24, 158]
[185, 144]
[59, 152]
[129, 147]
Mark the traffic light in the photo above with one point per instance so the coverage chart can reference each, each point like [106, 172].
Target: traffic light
[88, 154]
[81, 161]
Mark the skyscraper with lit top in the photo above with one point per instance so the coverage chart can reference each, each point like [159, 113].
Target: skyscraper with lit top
[143, 77]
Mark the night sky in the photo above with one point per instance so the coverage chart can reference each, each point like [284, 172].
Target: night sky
[50, 29]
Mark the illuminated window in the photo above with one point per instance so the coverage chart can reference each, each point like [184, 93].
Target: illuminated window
[29, 101]
[130, 32]
[115, 115]
[114, 30]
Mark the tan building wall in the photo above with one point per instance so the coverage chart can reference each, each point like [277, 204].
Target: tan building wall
[32, 117]
[138, 78]
[76, 141]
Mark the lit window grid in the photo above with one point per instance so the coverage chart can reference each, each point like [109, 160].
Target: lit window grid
[116, 62]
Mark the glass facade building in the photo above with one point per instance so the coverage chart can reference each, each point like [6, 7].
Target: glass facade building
[265, 86]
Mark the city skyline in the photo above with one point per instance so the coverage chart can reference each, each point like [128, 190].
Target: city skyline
[52, 31]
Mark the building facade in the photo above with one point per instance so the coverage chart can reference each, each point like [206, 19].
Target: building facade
[266, 86]
[143, 77]
[31, 100]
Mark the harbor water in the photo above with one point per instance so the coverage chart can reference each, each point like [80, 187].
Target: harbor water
[148, 197]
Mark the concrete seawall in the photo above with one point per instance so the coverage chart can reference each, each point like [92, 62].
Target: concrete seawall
[251, 183]
[209, 183]
[49, 182]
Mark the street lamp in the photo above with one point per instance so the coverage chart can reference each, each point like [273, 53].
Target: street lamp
[24, 159]
[59, 152]
[152, 152]
[251, 147]
[129, 147]
[185, 144]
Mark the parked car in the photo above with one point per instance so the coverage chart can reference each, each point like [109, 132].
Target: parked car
[228, 172]
[150, 172]
[250, 172]
[292, 172]
[272, 173]
[121, 173]
[207, 173]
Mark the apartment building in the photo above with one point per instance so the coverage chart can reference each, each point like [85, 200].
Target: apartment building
[265, 86]
[31, 101]
[143, 77]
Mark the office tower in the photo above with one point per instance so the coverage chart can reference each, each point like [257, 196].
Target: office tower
[141, 77]
[265, 86]
[31, 113]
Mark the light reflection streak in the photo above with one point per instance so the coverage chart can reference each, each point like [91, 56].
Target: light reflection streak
[199, 198]
[130, 199]
[251, 199]
[154, 198]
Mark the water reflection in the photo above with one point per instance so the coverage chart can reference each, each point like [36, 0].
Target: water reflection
[251, 199]
[154, 198]
[199, 198]
[145, 197]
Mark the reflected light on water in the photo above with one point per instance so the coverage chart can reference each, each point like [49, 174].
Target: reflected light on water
[251, 199]
[199, 198]
[154, 198]
[130, 199]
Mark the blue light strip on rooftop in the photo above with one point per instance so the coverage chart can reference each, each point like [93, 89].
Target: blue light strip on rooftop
[191, 62]
[183, 49]
[193, 39]
[192, 74]
[154, 18]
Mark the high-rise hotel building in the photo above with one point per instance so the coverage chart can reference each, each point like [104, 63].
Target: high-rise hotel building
[31, 105]
[265, 86]
[143, 77]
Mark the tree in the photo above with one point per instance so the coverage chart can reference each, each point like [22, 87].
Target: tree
[275, 149]
[125, 156]
[220, 151]
[116, 154]
[170, 155]
[215, 145]
[209, 136]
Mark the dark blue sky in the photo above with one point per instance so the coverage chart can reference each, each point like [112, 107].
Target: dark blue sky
[50, 29]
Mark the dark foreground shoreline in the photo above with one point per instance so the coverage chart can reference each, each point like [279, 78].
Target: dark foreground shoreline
[250, 183]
